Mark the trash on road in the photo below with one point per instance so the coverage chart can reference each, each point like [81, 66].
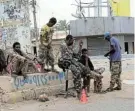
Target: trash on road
[43, 98]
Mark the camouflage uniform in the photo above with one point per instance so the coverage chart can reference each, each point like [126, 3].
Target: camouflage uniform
[115, 68]
[19, 63]
[98, 81]
[71, 54]
[46, 53]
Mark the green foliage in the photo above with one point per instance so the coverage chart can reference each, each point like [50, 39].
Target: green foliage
[62, 25]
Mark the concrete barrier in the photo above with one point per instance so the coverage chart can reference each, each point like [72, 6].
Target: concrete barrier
[17, 89]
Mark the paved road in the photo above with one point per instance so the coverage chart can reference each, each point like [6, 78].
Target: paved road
[114, 101]
[115, 104]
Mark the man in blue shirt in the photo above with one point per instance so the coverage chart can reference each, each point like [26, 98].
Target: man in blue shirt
[115, 61]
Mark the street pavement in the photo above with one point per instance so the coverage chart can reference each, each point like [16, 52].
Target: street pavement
[106, 102]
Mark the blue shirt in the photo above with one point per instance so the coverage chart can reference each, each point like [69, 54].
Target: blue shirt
[116, 56]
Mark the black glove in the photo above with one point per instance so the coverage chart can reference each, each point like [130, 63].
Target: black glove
[106, 54]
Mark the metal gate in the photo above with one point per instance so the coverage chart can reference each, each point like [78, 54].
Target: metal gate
[97, 46]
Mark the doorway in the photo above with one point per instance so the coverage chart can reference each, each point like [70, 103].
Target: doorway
[126, 47]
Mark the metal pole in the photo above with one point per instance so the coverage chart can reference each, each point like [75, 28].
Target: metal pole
[35, 23]
[98, 7]
[80, 8]
[88, 12]
[109, 8]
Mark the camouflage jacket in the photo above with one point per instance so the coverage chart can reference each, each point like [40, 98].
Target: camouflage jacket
[12, 54]
[69, 52]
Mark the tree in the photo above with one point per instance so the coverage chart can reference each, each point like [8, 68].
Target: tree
[62, 25]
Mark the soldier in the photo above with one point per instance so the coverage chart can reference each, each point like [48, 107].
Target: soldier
[115, 62]
[69, 53]
[45, 48]
[19, 60]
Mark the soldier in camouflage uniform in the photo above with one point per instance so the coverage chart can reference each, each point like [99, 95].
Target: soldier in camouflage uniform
[45, 49]
[69, 53]
[19, 60]
[115, 62]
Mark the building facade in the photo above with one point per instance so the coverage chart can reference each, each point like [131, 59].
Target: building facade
[91, 31]
[15, 24]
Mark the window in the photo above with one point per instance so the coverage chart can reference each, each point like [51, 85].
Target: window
[104, 11]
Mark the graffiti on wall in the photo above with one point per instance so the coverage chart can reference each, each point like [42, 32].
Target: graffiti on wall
[3, 35]
[8, 35]
[25, 33]
[14, 12]
[13, 34]
[38, 80]
[14, 22]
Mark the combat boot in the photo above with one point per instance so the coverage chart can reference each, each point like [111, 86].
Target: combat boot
[78, 95]
[117, 88]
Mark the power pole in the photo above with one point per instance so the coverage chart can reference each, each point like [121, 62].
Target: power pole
[34, 3]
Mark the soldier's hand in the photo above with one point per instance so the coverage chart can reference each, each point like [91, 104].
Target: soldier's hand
[80, 43]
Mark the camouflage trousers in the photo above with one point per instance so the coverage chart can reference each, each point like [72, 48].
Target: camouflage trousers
[19, 65]
[79, 71]
[76, 71]
[46, 56]
[115, 68]
[97, 81]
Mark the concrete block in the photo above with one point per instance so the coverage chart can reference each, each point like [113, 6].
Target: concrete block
[5, 83]
[9, 84]
[17, 89]
[39, 80]
[32, 94]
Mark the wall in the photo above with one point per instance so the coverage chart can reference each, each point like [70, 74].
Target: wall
[17, 89]
[97, 46]
[59, 34]
[84, 39]
[36, 80]
[129, 38]
[130, 47]
[14, 22]
[24, 38]
[121, 41]
[100, 25]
